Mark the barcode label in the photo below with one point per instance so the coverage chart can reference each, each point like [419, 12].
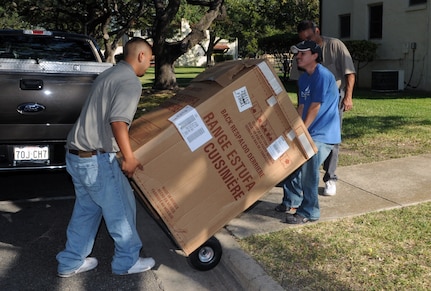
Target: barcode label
[195, 135]
[188, 125]
[278, 148]
[191, 127]
[242, 99]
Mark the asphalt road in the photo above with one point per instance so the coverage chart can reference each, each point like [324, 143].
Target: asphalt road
[34, 212]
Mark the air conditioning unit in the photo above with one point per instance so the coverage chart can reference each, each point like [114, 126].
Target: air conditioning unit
[387, 80]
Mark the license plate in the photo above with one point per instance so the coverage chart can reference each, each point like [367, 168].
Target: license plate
[31, 153]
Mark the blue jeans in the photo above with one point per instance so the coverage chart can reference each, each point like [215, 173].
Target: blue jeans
[101, 190]
[300, 189]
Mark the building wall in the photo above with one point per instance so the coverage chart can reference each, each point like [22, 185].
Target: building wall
[403, 26]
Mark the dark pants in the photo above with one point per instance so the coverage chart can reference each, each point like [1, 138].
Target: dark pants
[331, 162]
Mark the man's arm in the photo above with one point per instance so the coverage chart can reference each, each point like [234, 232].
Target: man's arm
[300, 109]
[348, 95]
[121, 134]
[311, 113]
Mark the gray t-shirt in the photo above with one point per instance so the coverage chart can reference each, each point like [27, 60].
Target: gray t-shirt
[114, 96]
[336, 58]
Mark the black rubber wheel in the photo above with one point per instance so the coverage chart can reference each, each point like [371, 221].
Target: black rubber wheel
[206, 256]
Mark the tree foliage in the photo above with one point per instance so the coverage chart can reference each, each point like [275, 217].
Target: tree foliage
[249, 21]
[362, 52]
[277, 43]
[9, 16]
[105, 20]
[109, 20]
[258, 19]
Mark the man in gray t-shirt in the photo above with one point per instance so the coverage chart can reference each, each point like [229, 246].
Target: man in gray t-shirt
[113, 98]
[102, 189]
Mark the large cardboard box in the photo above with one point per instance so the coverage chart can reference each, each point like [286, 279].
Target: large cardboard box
[216, 147]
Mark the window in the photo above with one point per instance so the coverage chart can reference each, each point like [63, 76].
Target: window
[46, 48]
[376, 21]
[416, 2]
[344, 26]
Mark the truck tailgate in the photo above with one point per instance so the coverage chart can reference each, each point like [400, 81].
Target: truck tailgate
[27, 100]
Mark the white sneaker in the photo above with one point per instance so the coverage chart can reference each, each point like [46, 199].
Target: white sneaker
[141, 265]
[89, 264]
[330, 188]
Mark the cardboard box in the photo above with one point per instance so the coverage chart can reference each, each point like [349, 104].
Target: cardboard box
[216, 147]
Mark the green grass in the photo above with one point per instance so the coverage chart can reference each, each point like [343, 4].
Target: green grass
[388, 250]
[184, 75]
[384, 126]
[380, 129]
[152, 99]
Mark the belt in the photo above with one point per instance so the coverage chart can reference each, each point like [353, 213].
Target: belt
[84, 154]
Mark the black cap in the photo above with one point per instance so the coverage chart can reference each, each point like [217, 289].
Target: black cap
[307, 45]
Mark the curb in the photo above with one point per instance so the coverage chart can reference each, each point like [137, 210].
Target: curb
[249, 274]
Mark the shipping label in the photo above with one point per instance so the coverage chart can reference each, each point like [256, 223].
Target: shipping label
[191, 127]
[278, 148]
[242, 99]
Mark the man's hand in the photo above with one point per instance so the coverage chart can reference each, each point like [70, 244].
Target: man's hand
[121, 134]
[129, 166]
[348, 97]
[348, 103]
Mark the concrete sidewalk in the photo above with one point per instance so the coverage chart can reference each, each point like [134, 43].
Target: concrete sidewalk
[360, 189]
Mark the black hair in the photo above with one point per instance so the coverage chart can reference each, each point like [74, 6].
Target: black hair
[306, 24]
[132, 41]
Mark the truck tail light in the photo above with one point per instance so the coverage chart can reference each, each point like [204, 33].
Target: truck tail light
[37, 32]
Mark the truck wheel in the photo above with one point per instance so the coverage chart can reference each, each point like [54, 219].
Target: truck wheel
[206, 256]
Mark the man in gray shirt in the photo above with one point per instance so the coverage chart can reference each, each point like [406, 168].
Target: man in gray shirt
[102, 189]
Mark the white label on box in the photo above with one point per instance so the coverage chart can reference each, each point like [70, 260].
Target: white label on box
[270, 77]
[271, 101]
[242, 99]
[278, 148]
[191, 127]
[306, 145]
[291, 135]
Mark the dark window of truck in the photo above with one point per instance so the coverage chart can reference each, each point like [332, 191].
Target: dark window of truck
[46, 48]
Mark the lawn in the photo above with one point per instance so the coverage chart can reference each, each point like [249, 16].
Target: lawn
[388, 250]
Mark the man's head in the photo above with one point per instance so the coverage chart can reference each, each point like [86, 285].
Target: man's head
[308, 30]
[307, 53]
[138, 53]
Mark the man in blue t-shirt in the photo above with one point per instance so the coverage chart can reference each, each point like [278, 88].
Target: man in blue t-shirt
[318, 106]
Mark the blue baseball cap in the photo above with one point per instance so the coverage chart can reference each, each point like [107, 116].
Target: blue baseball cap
[307, 45]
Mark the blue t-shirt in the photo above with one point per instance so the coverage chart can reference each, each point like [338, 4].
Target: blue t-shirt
[321, 87]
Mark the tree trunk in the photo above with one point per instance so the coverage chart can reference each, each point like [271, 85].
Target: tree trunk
[167, 53]
[164, 70]
[210, 49]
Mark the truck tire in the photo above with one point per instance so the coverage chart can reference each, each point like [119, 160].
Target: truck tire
[206, 256]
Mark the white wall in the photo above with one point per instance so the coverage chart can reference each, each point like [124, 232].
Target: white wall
[402, 26]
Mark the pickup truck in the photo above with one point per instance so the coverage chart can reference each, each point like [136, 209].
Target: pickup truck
[45, 77]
